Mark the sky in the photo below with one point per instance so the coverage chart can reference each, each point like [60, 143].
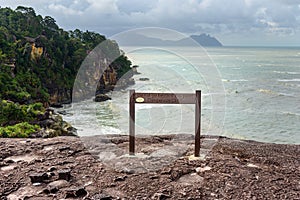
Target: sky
[233, 22]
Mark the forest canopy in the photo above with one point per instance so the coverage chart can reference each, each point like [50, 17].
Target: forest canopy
[40, 60]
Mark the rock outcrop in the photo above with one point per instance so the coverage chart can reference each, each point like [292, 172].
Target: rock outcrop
[101, 97]
[65, 168]
[53, 125]
[102, 71]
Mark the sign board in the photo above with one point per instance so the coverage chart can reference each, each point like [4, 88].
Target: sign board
[164, 98]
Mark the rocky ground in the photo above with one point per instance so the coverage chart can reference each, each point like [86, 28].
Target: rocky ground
[98, 168]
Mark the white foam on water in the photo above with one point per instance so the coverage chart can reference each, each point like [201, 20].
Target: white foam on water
[289, 80]
[286, 94]
[284, 72]
[235, 80]
[291, 113]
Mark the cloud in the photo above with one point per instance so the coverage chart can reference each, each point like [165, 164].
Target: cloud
[102, 7]
[63, 9]
[218, 17]
[139, 6]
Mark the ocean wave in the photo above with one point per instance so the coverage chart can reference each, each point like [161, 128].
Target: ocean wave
[286, 95]
[293, 73]
[237, 80]
[266, 91]
[110, 130]
[270, 92]
[289, 80]
[279, 72]
[283, 72]
[291, 113]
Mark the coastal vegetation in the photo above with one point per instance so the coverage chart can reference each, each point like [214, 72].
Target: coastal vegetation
[13, 113]
[39, 62]
[21, 130]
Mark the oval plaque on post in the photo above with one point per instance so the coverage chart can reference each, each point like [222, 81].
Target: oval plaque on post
[139, 100]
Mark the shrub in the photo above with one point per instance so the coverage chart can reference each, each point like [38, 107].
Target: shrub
[12, 113]
[20, 130]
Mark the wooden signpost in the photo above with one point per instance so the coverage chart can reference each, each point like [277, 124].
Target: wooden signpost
[164, 98]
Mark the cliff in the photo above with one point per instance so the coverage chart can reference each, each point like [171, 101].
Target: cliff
[38, 65]
[39, 61]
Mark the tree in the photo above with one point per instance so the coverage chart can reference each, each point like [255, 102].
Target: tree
[50, 23]
[26, 10]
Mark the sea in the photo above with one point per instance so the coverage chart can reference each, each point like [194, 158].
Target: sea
[248, 93]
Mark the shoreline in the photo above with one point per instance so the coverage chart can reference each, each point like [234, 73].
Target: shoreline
[73, 168]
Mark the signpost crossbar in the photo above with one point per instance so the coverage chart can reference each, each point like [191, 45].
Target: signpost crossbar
[166, 98]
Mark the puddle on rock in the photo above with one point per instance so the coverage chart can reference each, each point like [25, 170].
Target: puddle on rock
[23, 193]
[48, 148]
[9, 167]
[26, 158]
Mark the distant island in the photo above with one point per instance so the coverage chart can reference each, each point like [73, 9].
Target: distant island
[137, 39]
[206, 40]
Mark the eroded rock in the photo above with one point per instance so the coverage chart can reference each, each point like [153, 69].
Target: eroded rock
[56, 185]
[64, 174]
[263, 171]
[75, 192]
[38, 177]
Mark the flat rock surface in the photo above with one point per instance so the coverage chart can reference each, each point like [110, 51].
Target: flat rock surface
[98, 167]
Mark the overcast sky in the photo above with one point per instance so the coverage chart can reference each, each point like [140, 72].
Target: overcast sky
[233, 22]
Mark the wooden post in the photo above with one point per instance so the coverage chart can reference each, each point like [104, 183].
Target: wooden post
[131, 122]
[164, 98]
[197, 123]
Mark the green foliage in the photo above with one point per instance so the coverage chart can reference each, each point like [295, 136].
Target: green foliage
[122, 64]
[10, 88]
[20, 130]
[25, 78]
[21, 87]
[13, 113]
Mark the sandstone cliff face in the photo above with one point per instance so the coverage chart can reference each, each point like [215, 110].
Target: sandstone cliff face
[107, 81]
[98, 74]
[99, 82]
[59, 96]
[101, 72]
[36, 52]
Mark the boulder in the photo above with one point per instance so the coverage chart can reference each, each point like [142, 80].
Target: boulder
[53, 125]
[144, 79]
[56, 105]
[75, 192]
[101, 97]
